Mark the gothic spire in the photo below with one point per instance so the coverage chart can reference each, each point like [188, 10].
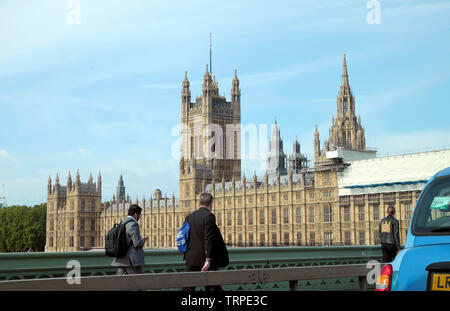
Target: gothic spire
[235, 79]
[77, 181]
[206, 75]
[344, 72]
[344, 128]
[69, 181]
[99, 183]
[49, 185]
[208, 85]
[276, 159]
[186, 83]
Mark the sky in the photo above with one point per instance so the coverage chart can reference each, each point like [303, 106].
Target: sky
[95, 86]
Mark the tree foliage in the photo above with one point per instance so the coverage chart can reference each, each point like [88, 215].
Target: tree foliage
[22, 228]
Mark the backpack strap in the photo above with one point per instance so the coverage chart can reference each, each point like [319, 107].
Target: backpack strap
[127, 220]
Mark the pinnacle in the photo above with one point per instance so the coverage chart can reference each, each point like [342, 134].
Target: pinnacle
[344, 73]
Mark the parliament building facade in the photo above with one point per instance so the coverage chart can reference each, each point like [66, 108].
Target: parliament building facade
[338, 201]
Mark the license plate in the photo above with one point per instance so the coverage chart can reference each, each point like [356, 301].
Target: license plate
[440, 282]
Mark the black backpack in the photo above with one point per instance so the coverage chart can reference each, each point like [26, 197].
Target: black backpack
[116, 240]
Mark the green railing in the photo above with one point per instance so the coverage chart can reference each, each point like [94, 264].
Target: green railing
[14, 266]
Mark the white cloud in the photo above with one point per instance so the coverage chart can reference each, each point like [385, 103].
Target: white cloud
[3, 153]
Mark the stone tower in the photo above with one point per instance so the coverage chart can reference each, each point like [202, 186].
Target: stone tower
[296, 160]
[276, 159]
[73, 214]
[210, 138]
[346, 130]
[120, 190]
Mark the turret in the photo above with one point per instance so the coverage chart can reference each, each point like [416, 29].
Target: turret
[120, 190]
[49, 185]
[77, 181]
[235, 90]
[99, 183]
[57, 185]
[276, 160]
[69, 182]
[186, 92]
[90, 182]
[207, 83]
[296, 161]
[316, 144]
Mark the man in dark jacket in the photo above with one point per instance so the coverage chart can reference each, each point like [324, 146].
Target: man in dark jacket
[206, 250]
[389, 236]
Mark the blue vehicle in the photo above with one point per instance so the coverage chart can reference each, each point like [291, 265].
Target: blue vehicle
[424, 263]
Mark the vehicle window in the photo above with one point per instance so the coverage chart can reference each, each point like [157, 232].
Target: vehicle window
[433, 210]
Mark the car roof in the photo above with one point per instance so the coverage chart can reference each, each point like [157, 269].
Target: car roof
[444, 172]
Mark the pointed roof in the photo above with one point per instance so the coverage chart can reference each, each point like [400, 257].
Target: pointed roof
[275, 137]
[207, 79]
[206, 75]
[186, 80]
[344, 73]
[296, 146]
[69, 179]
[235, 81]
[121, 181]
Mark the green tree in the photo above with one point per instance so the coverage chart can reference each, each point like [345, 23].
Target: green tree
[22, 228]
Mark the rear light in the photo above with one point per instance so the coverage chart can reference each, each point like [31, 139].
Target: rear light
[384, 281]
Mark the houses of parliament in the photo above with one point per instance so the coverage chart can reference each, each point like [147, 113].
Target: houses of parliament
[339, 200]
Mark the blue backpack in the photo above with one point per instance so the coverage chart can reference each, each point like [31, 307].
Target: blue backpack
[183, 237]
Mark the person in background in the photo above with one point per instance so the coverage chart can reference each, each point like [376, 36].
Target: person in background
[389, 236]
[133, 261]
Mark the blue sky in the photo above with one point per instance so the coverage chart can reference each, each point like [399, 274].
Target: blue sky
[104, 94]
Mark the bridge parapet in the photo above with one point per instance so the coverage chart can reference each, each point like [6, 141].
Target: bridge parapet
[17, 266]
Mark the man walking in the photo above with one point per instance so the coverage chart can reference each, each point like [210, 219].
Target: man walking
[206, 250]
[133, 261]
[389, 236]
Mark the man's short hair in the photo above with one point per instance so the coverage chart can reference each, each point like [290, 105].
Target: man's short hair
[134, 209]
[391, 210]
[206, 199]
